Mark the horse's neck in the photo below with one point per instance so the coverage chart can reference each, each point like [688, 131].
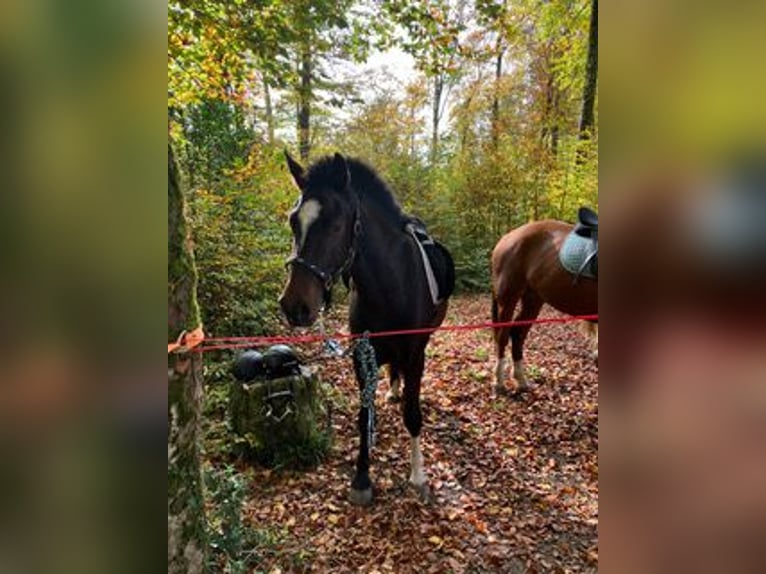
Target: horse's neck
[376, 271]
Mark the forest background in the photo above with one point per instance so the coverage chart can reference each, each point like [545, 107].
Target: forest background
[481, 115]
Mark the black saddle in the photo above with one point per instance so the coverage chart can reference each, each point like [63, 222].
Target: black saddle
[587, 223]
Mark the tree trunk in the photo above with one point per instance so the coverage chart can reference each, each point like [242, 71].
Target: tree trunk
[412, 129]
[465, 123]
[438, 88]
[187, 543]
[269, 111]
[550, 132]
[496, 99]
[587, 118]
[555, 126]
[304, 103]
[496, 96]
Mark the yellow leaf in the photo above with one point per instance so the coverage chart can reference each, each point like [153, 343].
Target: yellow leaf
[436, 541]
[333, 518]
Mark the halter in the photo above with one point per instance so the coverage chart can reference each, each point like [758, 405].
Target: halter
[327, 278]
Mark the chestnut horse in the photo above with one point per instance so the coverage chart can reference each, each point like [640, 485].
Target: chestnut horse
[526, 268]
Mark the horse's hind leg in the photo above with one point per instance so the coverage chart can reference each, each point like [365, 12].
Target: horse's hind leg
[393, 395]
[590, 329]
[413, 420]
[531, 303]
[502, 311]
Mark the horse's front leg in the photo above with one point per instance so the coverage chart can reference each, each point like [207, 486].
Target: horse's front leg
[413, 420]
[531, 303]
[361, 486]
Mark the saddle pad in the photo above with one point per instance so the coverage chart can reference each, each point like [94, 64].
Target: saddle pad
[443, 267]
[579, 256]
[438, 276]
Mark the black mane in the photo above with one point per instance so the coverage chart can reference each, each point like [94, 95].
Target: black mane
[365, 182]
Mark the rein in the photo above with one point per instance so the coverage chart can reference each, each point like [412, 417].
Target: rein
[328, 278]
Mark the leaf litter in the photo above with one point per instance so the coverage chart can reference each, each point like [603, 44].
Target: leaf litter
[514, 480]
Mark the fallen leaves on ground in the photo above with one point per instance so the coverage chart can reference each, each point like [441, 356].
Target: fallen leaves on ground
[514, 480]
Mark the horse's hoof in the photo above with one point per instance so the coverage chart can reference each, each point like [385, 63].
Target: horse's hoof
[393, 398]
[361, 497]
[501, 390]
[423, 492]
[524, 385]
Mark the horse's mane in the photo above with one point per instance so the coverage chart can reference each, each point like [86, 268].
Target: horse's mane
[365, 182]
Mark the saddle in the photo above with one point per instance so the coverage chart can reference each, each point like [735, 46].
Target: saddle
[437, 261]
[587, 223]
[579, 253]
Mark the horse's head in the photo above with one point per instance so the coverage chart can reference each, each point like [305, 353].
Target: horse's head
[324, 222]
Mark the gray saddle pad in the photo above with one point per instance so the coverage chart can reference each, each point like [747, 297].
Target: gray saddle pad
[579, 255]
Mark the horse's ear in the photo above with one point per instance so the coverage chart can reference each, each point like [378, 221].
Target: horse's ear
[340, 172]
[296, 170]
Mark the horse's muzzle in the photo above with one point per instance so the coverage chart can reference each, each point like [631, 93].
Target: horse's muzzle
[298, 314]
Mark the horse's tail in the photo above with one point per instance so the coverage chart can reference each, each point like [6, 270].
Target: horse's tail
[495, 311]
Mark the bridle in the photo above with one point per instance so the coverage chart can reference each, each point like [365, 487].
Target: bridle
[327, 278]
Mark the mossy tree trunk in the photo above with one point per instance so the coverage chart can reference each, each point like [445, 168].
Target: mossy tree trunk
[304, 102]
[187, 545]
[587, 117]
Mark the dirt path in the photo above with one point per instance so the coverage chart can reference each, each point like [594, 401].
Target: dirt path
[514, 481]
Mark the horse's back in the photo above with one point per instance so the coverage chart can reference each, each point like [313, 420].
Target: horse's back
[528, 240]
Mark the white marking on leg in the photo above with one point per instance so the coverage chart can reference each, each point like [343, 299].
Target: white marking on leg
[595, 342]
[591, 332]
[393, 394]
[308, 213]
[500, 374]
[417, 475]
[520, 375]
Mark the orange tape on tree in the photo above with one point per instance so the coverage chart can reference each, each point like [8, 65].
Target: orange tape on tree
[187, 341]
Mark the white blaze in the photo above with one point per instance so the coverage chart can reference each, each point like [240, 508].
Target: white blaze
[308, 213]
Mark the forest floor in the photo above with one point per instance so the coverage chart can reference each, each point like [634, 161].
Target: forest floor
[514, 480]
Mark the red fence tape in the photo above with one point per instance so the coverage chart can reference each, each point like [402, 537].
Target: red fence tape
[244, 342]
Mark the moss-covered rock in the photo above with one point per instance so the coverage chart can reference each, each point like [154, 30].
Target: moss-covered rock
[281, 422]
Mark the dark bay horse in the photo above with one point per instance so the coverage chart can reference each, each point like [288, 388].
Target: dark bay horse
[348, 224]
[526, 268]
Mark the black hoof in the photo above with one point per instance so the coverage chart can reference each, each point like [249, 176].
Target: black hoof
[361, 497]
[502, 391]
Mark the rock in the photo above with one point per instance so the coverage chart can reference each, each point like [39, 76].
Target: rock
[281, 422]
